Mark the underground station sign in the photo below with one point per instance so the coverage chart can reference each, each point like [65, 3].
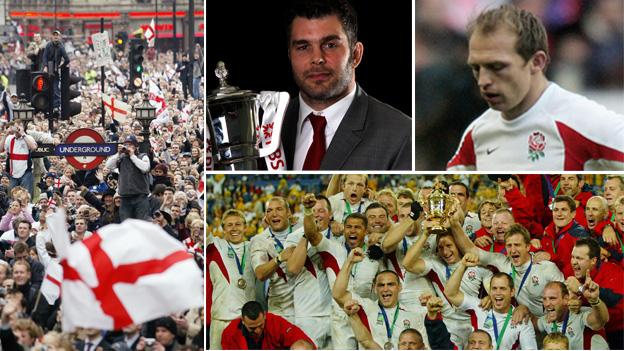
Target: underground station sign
[84, 149]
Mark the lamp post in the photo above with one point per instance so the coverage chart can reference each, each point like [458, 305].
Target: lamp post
[23, 111]
[145, 114]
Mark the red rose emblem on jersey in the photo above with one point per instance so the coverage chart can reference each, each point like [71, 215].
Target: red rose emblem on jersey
[537, 144]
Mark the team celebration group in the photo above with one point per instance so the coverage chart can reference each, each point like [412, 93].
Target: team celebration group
[513, 261]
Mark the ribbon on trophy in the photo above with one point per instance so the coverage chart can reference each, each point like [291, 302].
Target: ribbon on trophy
[274, 104]
[209, 162]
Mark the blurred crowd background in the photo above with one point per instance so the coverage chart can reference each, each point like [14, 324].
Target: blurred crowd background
[249, 193]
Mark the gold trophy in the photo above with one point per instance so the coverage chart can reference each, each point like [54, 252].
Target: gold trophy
[437, 207]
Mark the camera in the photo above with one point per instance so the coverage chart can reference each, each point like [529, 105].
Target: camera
[149, 342]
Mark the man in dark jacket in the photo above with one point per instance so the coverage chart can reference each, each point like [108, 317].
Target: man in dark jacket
[52, 55]
[133, 185]
[185, 67]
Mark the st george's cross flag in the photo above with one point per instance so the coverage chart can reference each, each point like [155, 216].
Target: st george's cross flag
[51, 286]
[124, 274]
[150, 34]
[116, 108]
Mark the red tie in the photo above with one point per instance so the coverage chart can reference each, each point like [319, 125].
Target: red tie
[317, 149]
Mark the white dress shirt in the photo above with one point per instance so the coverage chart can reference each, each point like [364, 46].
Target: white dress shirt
[333, 114]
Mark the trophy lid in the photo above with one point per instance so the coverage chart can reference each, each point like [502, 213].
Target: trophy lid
[224, 90]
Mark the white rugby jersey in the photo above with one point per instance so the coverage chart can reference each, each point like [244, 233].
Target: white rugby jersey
[227, 297]
[280, 293]
[563, 131]
[579, 334]
[457, 322]
[372, 318]
[18, 154]
[341, 208]
[541, 274]
[312, 294]
[522, 335]
[413, 285]
[362, 274]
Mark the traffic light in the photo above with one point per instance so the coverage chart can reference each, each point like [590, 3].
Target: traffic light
[41, 91]
[69, 108]
[135, 60]
[120, 41]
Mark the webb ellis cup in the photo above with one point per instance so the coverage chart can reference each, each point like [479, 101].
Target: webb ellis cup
[437, 207]
[244, 126]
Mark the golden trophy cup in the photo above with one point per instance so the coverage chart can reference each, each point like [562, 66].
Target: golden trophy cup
[437, 207]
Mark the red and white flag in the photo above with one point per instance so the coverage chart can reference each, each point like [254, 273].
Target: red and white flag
[150, 34]
[157, 99]
[51, 286]
[124, 274]
[118, 109]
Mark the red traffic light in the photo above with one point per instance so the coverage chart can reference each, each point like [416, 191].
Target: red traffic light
[40, 84]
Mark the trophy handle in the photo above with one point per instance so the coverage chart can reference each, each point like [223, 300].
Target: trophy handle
[274, 105]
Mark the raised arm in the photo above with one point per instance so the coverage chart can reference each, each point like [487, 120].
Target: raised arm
[461, 239]
[297, 259]
[333, 187]
[340, 292]
[437, 332]
[397, 232]
[310, 230]
[599, 316]
[412, 261]
[362, 334]
[452, 291]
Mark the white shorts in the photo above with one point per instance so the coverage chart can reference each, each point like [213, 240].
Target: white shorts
[318, 329]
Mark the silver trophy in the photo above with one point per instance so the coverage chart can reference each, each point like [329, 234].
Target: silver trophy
[244, 126]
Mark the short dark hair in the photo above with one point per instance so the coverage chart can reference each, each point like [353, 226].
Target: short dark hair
[505, 275]
[460, 184]
[384, 272]
[19, 221]
[359, 216]
[252, 310]
[375, 205]
[312, 9]
[592, 245]
[566, 198]
[20, 247]
[324, 198]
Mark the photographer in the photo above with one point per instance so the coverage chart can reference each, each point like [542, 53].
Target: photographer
[18, 145]
[133, 186]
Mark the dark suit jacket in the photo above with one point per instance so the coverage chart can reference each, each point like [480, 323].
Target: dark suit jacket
[371, 136]
[104, 345]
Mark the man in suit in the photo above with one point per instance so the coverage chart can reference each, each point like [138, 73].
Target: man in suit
[93, 340]
[334, 124]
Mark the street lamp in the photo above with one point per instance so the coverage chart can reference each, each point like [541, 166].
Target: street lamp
[145, 114]
[23, 111]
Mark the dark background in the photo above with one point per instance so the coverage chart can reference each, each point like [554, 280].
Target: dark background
[250, 37]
